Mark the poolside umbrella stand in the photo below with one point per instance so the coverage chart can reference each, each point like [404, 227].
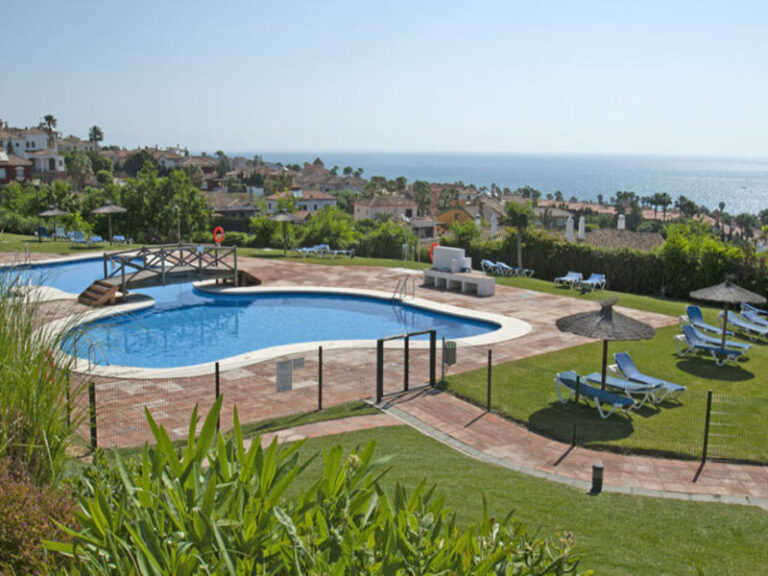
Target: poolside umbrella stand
[728, 293]
[285, 218]
[52, 213]
[607, 325]
[109, 209]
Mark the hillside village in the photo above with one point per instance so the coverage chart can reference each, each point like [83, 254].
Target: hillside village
[239, 188]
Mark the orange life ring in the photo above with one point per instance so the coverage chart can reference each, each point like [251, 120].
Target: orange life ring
[218, 235]
[431, 250]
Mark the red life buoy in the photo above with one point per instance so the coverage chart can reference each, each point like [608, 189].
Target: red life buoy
[218, 235]
[431, 250]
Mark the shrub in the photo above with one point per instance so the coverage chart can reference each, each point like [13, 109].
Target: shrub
[215, 507]
[26, 520]
[35, 427]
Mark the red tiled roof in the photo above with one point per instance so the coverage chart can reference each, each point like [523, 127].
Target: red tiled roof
[386, 200]
[13, 160]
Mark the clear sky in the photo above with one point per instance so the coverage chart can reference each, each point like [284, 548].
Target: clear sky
[644, 77]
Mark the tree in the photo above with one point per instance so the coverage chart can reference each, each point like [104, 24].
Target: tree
[136, 162]
[331, 226]
[519, 216]
[49, 124]
[600, 199]
[448, 198]
[223, 166]
[686, 206]
[348, 170]
[665, 201]
[400, 183]
[99, 162]
[195, 175]
[79, 169]
[422, 195]
[95, 135]
[334, 171]
[558, 196]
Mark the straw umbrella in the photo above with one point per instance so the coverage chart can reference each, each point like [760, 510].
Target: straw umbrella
[53, 212]
[728, 293]
[109, 209]
[285, 218]
[605, 324]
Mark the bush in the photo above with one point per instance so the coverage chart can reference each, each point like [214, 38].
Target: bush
[26, 520]
[35, 427]
[16, 223]
[215, 507]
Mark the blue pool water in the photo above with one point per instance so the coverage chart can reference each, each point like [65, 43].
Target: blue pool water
[188, 327]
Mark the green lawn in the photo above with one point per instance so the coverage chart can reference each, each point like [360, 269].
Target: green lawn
[12, 242]
[524, 391]
[617, 534]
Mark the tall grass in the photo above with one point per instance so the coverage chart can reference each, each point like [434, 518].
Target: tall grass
[37, 419]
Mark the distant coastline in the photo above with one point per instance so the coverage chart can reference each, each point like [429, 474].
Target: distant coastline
[741, 183]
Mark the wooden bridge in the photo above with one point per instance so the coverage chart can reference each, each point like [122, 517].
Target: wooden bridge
[161, 265]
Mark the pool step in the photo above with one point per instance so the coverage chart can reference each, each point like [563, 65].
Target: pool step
[98, 294]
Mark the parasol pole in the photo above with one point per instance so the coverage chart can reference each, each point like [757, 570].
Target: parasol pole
[605, 361]
[725, 325]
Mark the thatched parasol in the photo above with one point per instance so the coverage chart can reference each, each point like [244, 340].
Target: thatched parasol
[109, 209]
[285, 218]
[52, 213]
[728, 293]
[605, 324]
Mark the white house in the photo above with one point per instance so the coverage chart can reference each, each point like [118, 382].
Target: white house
[303, 200]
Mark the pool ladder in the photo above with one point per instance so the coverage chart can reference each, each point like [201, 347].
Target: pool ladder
[405, 284]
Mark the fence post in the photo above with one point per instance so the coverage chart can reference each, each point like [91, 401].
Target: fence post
[92, 411]
[218, 392]
[488, 391]
[320, 378]
[576, 420]
[406, 359]
[706, 427]
[379, 370]
[432, 356]
[442, 362]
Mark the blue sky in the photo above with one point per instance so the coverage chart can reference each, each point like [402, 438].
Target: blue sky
[678, 78]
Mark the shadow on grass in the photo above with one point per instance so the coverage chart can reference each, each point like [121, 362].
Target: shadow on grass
[706, 369]
[558, 421]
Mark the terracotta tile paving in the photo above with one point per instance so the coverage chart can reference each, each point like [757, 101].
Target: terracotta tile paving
[490, 437]
[330, 428]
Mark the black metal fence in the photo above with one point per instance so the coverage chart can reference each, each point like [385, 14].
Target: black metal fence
[290, 385]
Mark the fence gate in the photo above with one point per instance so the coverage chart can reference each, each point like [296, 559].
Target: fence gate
[738, 429]
[402, 365]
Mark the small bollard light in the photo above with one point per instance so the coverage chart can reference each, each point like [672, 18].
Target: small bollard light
[597, 478]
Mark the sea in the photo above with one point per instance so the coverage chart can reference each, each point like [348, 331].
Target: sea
[739, 182]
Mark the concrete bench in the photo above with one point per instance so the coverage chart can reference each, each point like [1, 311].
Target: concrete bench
[467, 283]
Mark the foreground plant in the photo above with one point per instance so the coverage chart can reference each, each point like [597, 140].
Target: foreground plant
[36, 420]
[216, 506]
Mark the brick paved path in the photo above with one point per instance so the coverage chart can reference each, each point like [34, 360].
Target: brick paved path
[491, 438]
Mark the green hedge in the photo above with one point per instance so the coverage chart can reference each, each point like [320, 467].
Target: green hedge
[687, 261]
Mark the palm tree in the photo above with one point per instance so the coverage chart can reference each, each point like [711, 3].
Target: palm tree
[49, 125]
[664, 201]
[519, 216]
[95, 135]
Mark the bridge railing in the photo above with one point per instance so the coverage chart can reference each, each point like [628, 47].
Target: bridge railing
[165, 259]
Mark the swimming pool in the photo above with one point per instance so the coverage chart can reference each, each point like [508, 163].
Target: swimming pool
[186, 326]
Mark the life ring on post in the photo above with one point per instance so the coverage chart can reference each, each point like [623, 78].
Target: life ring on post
[431, 251]
[218, 235]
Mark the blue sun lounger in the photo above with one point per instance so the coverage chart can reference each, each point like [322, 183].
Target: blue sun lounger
[628, 369]
[753, 309]
[696, 344]
[716, 340]
[569, 381]
[751, 330]
[644, 392]
[490, 267]
[594, 282]
[754, 317]
[571, 279]
[696, 319]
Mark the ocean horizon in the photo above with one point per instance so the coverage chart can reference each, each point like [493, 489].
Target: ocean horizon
[742, 183]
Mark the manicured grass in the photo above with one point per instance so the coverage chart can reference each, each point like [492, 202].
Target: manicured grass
[617, 534]
[13, 242]
[524, 391]
[647, 303]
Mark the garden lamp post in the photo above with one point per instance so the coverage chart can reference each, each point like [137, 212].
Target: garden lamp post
[36, 182]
